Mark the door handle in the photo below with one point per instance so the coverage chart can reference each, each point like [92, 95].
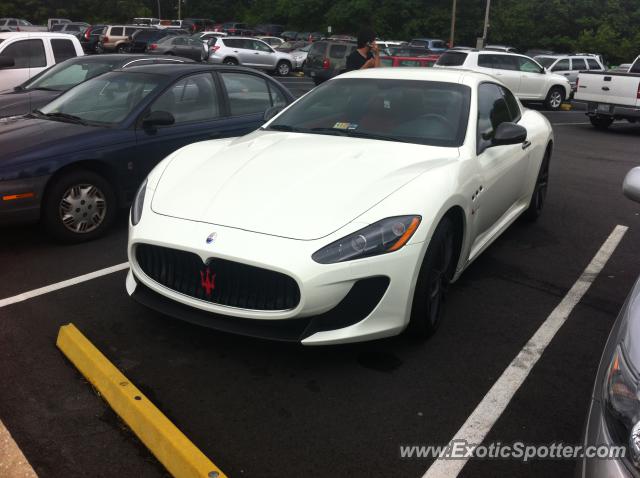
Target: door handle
[605, 88]
[566, 74]
[526, 144]
[256, 53]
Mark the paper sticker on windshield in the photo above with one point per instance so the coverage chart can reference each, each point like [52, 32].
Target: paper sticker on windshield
[342, 125]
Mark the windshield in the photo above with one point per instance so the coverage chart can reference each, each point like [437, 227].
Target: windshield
[545, 60]
[65, 75]
[105, 100]
[421, 112]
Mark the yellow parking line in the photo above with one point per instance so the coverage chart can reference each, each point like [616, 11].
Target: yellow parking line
[170, 446]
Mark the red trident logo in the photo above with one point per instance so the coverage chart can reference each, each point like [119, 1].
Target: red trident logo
[208, 281]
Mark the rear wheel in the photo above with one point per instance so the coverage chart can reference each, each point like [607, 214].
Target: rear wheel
[555, 97]
[230, 61]
[436, 273]
[600, 122]
[121, 49]
[79, 206]
[540, 191]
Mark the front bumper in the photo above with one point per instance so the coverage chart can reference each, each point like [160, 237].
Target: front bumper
[346, 302]
[21, 210]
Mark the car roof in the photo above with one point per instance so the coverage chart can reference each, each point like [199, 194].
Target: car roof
[176, 71]
[8, 35]
[420, 74]
[124, 58]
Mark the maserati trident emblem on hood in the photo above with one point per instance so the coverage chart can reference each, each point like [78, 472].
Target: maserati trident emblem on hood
[212, 237]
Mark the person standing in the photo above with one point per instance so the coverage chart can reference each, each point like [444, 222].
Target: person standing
[367, 55]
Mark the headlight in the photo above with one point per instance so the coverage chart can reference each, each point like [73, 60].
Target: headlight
[381, 237]
[622, 405]
[138, 203]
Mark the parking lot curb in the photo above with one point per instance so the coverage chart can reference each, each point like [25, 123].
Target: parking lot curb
[169, 445]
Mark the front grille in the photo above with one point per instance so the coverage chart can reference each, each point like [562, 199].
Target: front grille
[219, 281]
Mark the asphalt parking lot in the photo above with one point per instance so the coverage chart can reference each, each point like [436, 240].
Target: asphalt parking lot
[262, 409]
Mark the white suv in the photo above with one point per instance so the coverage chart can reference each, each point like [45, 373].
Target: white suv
[526, 78]
[251, 52]
[570, 65]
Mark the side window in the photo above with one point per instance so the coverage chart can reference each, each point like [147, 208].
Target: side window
[485, 61]
[506, 62]
[562, 65]
[62, 49]
[528, 66]
[492, 111]
[277, 99]
[26, 54]
[13, 23]
[233, 43]
[129, 31]
[258, 45]
[248, 94]
[179, 41]
[337, 51]
[512, 104]
[116, 32]
[578, 64]
[593, 64]
[191, 99]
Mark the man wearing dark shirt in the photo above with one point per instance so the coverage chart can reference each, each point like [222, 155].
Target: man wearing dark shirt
[367, 55]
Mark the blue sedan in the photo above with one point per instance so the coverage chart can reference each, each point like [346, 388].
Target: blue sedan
[73, 163]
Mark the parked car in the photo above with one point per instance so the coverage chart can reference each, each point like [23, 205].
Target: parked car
[206, 36]
[71, 27]
[250, 52]
[270, 29]
[90, 38]
[116, 38]
[610, 96]
[406, 50]
[55, 21]
[24, 55]
[237, 29]
[433, 44]
[273, 41]
[73, 163]
[20, 25]
[290, 46]
[362, 229]
[141, 40]
[570, 65]
[289, 35]
[508, 49]
[612, 419]
[303, 36]
[327, 59]
[182, 46]
[525, 77]
[315, 36]
[194, 25]
[52, 82]
[146, 21]
[300, 57]
[348, 38]
[408, 61]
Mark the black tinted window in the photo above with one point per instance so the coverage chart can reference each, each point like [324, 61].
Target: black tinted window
[116, 32]
[485, 61]
[337, 51]
[512, 104]
[593, 64]
[26, 54]
[492, 111]
[191, 99]
[233, 43]
[452, 58]
[578, 64]
[506, 62]
[562, 65]
[62, 49]
[248, 94]
[318, 48]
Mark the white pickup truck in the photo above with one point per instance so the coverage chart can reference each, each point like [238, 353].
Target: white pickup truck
[610, 95]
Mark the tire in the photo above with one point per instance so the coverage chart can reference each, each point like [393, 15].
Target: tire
[539, 195]
[121, 49]
[435, 275]
[600, 122]
[230, 62]
[70, 204]
[283, 68]
[554, 99]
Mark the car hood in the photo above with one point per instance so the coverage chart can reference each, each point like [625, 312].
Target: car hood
[299, 186]
[13, 103]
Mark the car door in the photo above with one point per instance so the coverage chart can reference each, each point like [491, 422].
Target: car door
[264, 55]
[248, 97]
[533, 82]
[503, 67]
[503, 169]
[179, 46]
[195, 104]
[246, 54]
[29, 57]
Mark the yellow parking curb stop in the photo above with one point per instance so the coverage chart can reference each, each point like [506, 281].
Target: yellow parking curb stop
[566, 106]
[169, 445]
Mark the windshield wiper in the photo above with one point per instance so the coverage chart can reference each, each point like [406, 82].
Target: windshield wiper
[285, 127]
[64, 116]
[355, 134]
[337, 131]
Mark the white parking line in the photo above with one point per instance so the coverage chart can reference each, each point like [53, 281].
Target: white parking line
[488, 411]
[61, 285]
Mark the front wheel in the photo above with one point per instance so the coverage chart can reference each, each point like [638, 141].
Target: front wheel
[540, 191]
[283, 68]
[433, 281]
[555, 97]
[600, 122]
[79, 206]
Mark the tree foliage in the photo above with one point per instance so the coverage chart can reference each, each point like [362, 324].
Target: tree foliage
[602, 26]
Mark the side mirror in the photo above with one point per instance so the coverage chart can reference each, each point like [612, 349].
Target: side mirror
[6, 62]
[509, 133]
[271, 112]
[158, 118]
[631, 185]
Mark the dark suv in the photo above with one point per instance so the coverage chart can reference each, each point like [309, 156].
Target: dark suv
[141, 39]
[327, 59]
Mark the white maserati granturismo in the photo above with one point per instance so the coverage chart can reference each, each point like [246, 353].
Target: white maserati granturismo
[347, 215]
